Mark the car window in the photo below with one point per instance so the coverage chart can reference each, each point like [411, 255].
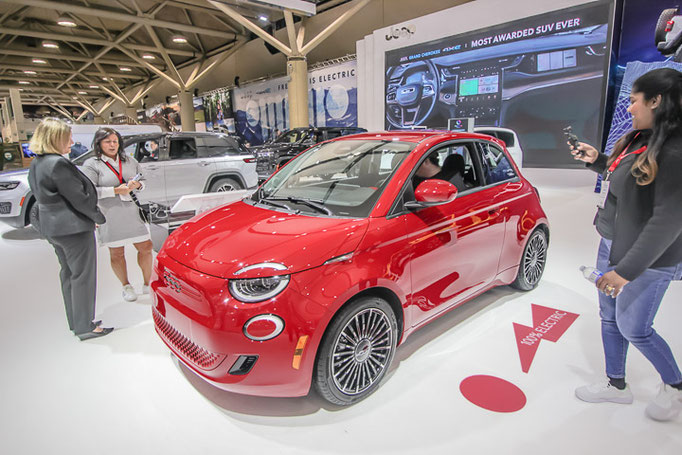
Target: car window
[181, 149]
[332, 134]
[145, 151]
[495, 165]
[346, 176]
[218, 146]
[452, 163]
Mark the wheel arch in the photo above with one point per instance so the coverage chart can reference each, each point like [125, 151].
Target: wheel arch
[219, 175]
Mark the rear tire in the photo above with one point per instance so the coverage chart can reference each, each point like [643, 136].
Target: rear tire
[225, 184]
[356, 351]
[533, 262]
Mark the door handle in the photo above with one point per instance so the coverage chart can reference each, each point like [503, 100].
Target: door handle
[494, 211]
[152, 168]
[204, 163]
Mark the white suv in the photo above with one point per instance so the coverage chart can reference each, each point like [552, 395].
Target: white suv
[509, 137]
[173, 165]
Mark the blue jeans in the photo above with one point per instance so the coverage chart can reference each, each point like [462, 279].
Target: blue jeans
[629, 318]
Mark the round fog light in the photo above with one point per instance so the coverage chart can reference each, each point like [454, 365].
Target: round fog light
[263, 327]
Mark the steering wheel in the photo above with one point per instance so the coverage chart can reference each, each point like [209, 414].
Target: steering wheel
[411, 93]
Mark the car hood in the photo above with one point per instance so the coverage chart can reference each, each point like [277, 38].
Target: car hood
[20, 174]
[231, 237]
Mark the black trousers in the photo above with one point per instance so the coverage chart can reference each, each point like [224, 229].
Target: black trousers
[77, 254]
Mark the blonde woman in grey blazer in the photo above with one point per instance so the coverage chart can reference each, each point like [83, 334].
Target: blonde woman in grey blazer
[112, 172]
[67, 212]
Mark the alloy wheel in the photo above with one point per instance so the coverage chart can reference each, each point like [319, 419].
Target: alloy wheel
[362, 351]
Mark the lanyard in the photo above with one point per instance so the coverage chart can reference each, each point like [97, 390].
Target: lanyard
[118, 174]
[623, 154]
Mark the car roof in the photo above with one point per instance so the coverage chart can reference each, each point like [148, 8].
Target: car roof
[413, 136]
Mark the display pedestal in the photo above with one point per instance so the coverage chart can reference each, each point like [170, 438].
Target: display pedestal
[164, 219]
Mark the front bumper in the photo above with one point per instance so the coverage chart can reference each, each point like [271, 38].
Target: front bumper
[203, 325]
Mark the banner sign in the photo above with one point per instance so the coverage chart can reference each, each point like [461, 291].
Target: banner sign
[218, 110]
[262, 108]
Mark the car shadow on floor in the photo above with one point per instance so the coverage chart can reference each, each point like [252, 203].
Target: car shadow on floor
[238, 405]
[21, 234]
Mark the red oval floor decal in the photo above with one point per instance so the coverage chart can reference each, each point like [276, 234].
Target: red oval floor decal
[492, 393]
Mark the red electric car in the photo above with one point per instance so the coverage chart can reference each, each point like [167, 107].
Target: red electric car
[343, 253]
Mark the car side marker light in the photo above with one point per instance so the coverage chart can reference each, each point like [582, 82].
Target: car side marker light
[21, 204]
[298, 352]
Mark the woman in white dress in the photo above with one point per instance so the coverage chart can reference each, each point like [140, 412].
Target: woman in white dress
[112, 172]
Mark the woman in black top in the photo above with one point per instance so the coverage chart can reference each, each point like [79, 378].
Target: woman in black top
[640, 221]
[67, 209]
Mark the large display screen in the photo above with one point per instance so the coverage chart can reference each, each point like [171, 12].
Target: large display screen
[535, 76]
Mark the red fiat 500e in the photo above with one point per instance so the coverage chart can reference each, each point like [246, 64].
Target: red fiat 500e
[343, 253]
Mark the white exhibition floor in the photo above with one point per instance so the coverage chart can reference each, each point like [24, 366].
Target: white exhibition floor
[124, 394]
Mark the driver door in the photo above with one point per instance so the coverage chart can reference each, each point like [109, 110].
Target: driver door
[455, 247]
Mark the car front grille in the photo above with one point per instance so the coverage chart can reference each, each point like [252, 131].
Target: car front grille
[199, 356]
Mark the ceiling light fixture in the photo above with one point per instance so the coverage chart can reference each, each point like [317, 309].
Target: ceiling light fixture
[124, 68]
[105, 78]
[81, 92]
[148, 56]
[66, 22]
[31, 72]
[93, 86]
[39, 61]
[24, 82]
[263, 18]
[50, 45]
[179, 39]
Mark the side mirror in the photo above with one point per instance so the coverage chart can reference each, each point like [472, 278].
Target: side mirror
[432, 192]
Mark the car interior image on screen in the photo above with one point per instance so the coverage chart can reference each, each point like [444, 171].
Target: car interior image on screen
[534, 76]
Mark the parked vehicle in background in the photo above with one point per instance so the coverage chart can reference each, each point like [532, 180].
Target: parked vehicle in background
[273, 155]
[509, 137]
[173, 165]
[16, 199]
[333, 262]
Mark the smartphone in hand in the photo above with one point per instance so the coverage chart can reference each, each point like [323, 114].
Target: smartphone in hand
[573, 140]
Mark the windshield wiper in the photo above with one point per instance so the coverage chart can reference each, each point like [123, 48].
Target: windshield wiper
[275, 204]
[317, 205]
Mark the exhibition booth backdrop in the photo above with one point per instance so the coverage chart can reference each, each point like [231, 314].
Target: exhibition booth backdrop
[529, 69]
[262, 108]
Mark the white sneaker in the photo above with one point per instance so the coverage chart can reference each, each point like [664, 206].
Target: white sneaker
[666, 405]
[129, 293]
[145, 289]
[604, 391]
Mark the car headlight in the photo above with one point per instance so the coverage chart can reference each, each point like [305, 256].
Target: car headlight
[8, 185]
[252, 290]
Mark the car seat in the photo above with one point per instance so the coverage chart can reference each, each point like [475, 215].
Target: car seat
[453, 170]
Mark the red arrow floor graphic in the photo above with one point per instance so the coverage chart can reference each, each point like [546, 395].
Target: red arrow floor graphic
[548, 324]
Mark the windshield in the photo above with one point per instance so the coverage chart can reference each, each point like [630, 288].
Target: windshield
[342, 178]
[291, 137]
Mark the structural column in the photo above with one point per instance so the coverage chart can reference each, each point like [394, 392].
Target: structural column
[18, 110]
[186, 110]
[131, 112]
[297, 69]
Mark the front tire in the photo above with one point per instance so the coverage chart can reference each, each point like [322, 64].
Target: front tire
[533, 261]
[33, 216]
[356, 351]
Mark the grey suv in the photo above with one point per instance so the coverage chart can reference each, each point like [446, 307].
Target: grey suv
[173, 165]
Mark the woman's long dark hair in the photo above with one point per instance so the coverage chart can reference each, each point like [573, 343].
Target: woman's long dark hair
[104, 133]
[666, 82]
